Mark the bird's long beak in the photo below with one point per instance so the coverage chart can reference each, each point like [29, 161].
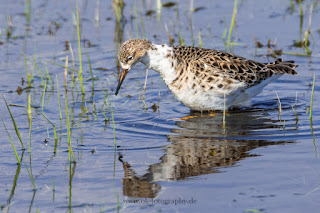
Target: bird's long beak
[122, 76]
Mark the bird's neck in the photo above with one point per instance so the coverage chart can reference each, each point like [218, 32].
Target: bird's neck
[160, 58]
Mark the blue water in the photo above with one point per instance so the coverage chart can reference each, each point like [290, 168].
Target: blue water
[166, 158]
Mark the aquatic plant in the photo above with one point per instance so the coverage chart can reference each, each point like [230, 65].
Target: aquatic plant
[118, 6]
[29, 120]
[59, 98]
[12, 144]
[80, 55]
[14, 122]
[54, 130]
[200, 40]
[232, 21]
[31, 177]
[294, 108]
[90, 68]
[279, 107]
[144, 89]
[67, 113]
[48, 76]
[311, 101]
[181, 40]
[28, 74]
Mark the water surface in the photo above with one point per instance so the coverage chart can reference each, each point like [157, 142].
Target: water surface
[166, 158]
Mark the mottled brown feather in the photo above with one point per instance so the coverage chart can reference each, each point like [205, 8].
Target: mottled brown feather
[213, 63]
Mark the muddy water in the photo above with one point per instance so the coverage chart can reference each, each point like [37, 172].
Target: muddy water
[166, 158]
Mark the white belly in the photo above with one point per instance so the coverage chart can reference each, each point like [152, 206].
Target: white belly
[237, 96]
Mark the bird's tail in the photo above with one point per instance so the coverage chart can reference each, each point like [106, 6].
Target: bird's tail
[283, 66]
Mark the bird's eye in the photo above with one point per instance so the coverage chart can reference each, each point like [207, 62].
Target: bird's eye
[130, 58]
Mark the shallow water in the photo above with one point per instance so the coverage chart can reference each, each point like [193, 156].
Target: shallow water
[166, 158]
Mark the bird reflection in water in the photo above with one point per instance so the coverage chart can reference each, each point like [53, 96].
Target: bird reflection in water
[201, 146]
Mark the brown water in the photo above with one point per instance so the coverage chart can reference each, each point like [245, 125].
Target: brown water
[258, 162]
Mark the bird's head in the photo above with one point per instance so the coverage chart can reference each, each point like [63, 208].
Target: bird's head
[130, 53]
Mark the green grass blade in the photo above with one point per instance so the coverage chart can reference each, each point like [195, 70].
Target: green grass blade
[54, 130]
[35, 64]
[14, 148]
[43, 95]
[67, 114]
[30, 120]
[113, 124]
[80, 55]
[225, 29]
[311, 102]
[43, 115]
[200, 40]
[63, 66]
[232, 21]
[59, 98]
[31, 177]
[14, 123]
[28, 74]
[295, 113]
[90, 70]
[297, 54]
[181, 40]
[47, 75]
